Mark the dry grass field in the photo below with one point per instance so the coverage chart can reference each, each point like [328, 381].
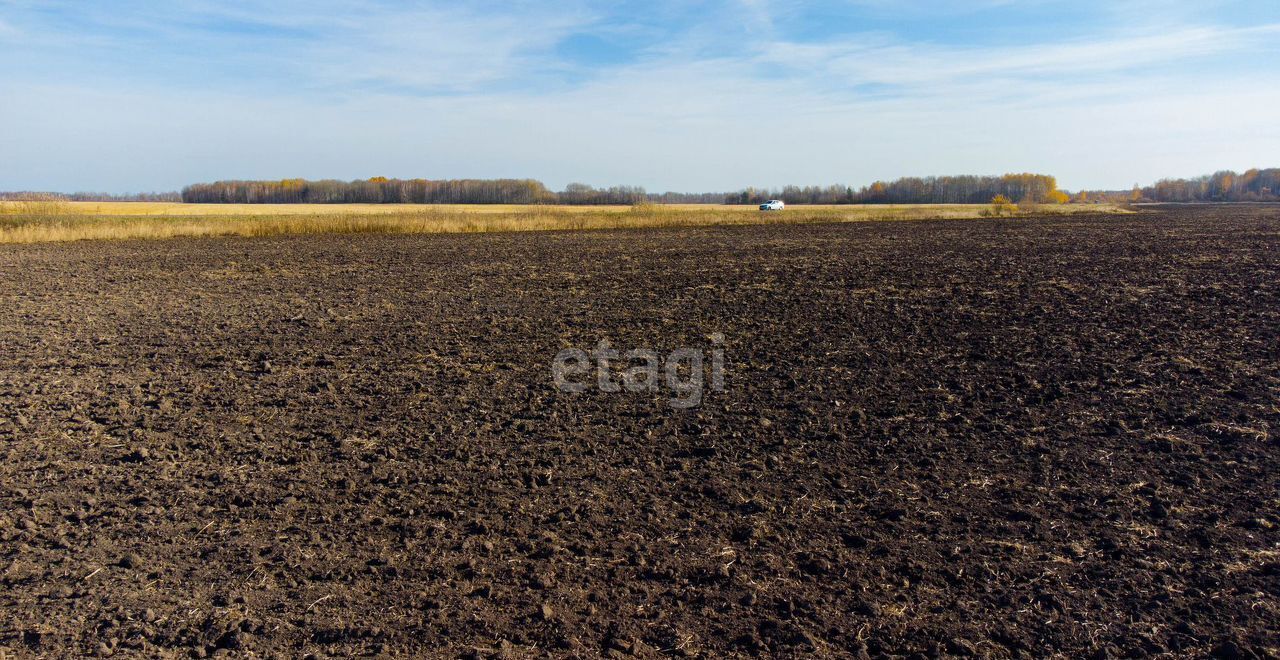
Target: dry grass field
[25, 222]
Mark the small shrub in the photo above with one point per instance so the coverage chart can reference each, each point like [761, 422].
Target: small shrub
[1001, 206]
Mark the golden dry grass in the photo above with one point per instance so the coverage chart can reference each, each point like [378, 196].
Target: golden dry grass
[155, 220]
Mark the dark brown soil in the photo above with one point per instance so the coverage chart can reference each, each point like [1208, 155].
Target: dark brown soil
[996, 438]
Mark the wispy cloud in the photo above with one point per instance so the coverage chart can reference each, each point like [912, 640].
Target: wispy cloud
[420, 48]
[874, 59]
[657, 93]
[432, 47]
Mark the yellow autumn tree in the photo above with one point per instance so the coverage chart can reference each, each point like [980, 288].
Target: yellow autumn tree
[1001, 205]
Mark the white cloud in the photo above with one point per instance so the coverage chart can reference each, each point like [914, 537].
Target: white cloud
[678, 130]
[440, 48]
[1099, 112]
[875, 59]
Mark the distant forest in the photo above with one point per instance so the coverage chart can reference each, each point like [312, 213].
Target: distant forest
[1225, 186]
[1021, 188]
[380, 190]
[1255, 185]
[127, 197]
[92, 197]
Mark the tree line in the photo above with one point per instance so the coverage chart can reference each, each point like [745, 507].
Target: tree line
[378, 190]
[1021, 188]
[174, 196]
[28, 196]
[1254, 185]
[381, 190]
[1223, 186]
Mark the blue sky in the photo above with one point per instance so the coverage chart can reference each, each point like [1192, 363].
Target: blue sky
[130, 95]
